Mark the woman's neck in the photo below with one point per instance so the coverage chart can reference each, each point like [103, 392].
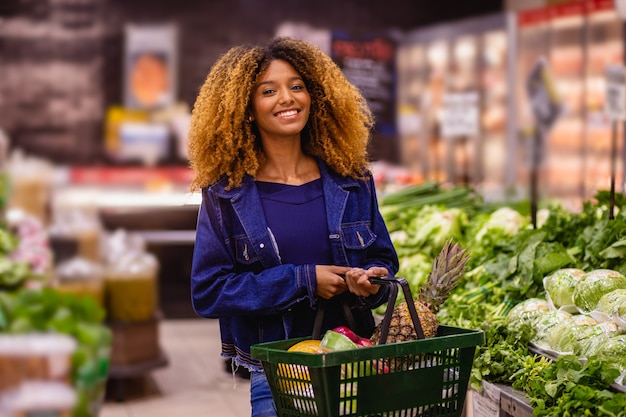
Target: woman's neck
[288, 167]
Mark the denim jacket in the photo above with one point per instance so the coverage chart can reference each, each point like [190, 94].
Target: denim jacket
[237, 275]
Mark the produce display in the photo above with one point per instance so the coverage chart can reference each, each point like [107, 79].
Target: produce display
[535, 292]
[41, 322]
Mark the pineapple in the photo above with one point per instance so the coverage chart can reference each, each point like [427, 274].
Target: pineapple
[446, 272]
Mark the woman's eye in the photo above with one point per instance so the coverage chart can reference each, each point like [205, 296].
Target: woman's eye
[268, 91]
[297, 87]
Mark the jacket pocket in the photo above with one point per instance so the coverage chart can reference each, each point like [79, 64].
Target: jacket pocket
[357, 235]
[244, 253]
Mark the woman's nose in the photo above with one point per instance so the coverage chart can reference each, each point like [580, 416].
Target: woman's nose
[285, 96]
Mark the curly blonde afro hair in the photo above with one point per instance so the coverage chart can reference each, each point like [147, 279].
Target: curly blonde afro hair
[222, 142]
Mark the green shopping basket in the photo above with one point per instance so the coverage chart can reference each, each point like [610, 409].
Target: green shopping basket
[425, 377]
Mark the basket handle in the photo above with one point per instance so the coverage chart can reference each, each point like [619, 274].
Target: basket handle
[391, 301]
[319, 317]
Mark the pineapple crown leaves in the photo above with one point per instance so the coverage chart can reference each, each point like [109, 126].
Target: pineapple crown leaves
[445, 275]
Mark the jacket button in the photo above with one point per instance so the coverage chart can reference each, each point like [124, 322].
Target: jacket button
[262, 245]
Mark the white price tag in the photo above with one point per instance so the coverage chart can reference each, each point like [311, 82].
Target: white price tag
[459, 115]
[615, 98]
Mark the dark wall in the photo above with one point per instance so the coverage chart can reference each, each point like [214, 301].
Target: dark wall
[61, 60]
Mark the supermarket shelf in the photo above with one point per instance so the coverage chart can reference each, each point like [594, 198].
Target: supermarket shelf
[168, 237]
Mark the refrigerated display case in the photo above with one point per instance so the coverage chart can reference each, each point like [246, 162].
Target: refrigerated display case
[494, 56]
[605, 38]
[468, 56]
[578, 39]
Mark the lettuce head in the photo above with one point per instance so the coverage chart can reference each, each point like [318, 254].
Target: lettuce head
[560, 285]
[564, 336]
[545, 324]
[613, 351]
[611, 302]
[593, 285]
[528, 311]
[579, 334]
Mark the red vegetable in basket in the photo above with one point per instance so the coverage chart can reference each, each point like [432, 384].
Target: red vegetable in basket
[348, 333]
[360, 341]
[363, 342]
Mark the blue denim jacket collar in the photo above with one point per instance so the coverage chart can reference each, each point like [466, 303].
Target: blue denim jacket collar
[335, 197]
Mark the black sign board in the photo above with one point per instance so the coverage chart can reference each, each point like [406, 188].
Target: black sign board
[368, 61]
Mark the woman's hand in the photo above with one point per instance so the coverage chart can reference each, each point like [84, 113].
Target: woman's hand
[330, 281]
[358, 282]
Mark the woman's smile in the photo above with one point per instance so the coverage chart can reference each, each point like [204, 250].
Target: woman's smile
[281, 102]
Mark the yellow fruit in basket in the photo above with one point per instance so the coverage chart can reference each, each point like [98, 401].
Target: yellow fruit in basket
[308, 346]
[293, 379]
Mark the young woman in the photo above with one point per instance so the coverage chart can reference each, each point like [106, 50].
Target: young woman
[289, 215]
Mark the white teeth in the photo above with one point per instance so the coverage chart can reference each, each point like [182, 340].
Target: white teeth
[287, 113]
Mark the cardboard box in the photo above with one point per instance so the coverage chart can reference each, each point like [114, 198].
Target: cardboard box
[485, 403]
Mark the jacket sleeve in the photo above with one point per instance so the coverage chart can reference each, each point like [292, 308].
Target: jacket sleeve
[218, 289]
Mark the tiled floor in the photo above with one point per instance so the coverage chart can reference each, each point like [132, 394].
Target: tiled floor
[193, 384]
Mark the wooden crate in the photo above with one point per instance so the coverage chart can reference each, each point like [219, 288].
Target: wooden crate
[134, 343]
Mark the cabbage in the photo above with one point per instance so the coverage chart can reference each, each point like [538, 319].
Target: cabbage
[528, 311]
[611, 302]
[579, 334]
[594, 284]
[560, 286]
[546, 323]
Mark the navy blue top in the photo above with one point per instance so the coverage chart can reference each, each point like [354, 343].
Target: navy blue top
[296, 216]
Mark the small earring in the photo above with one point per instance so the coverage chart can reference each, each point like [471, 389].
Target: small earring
[250, 119]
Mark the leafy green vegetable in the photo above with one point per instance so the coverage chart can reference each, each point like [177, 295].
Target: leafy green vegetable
[578, 334]
[594, 284]
[612, 351]
[503, 354]
[527, 312]
[546, 323]
[568, 387]
[611, 302]
[560, 285]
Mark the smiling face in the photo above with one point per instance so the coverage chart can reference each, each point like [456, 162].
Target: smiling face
[280, 102]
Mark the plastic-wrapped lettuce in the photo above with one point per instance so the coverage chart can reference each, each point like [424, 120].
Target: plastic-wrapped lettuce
[579, 335]
[545, 325]
[593, 285]
[610, 302]
[528, 311]
[613, 351]
[560, 286]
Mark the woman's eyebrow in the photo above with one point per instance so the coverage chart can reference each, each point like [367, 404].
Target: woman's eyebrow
[274, 82]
